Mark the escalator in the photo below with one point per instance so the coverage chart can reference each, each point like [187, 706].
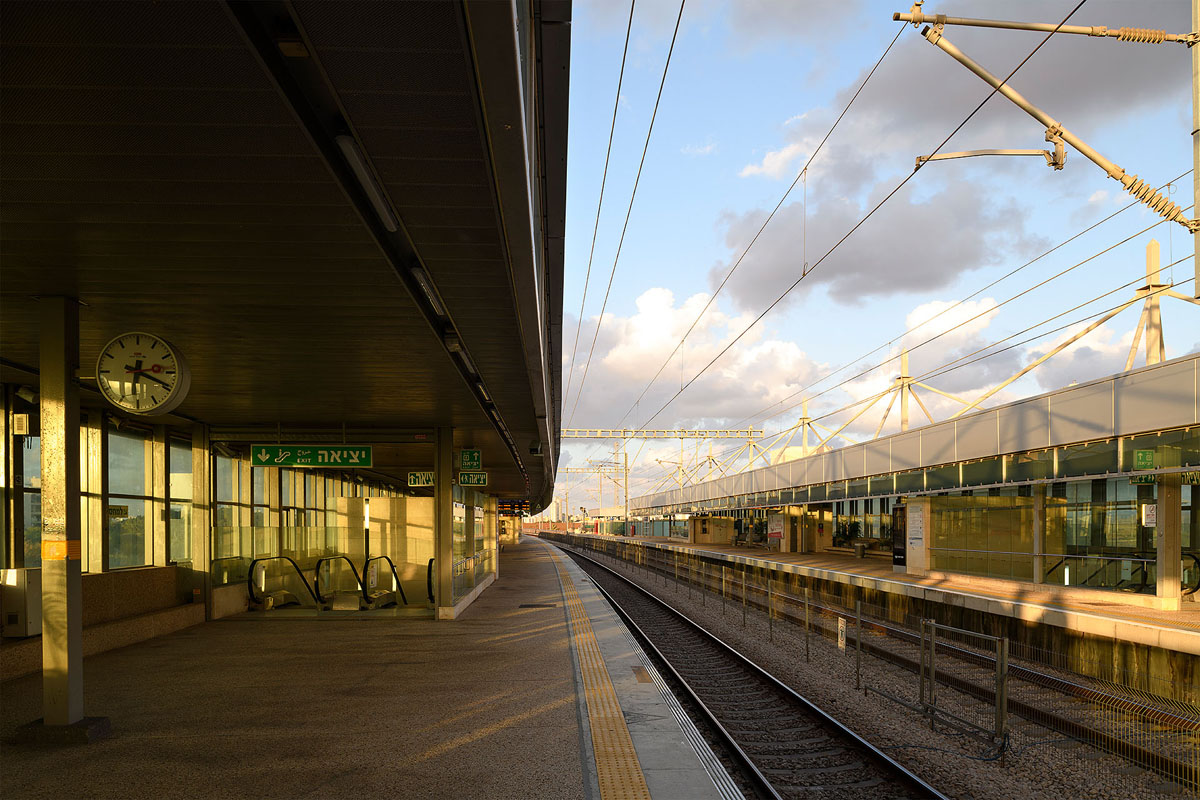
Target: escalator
[331, 583]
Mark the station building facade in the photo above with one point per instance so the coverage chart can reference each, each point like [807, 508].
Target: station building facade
[1095, 485]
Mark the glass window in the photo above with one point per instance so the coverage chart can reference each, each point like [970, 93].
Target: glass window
[179, 514]
[31, 461]
[127, 457]
[126, 532]
[223, 479]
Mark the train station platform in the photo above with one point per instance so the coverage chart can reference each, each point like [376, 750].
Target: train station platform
[536, 691]
[1088, 612]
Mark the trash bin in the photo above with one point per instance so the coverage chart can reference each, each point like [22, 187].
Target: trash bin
[860, 550]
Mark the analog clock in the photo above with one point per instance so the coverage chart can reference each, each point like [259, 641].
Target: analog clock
[143, 374]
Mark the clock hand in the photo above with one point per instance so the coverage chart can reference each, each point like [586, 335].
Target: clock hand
[156, 380]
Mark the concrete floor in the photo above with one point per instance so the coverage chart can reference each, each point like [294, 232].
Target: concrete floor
[481, 707]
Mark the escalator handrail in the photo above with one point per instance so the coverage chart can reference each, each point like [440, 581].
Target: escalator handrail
[1195, 557]
[396, 575]
[317, 575]
[299, 572]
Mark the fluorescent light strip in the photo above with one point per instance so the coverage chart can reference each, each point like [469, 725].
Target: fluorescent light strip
[366, 180]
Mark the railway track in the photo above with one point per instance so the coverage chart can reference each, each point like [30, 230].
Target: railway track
[785, 745]
[1053, 701]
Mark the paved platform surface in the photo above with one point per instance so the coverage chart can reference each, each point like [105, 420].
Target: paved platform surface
[1091, 611]
[485, 706]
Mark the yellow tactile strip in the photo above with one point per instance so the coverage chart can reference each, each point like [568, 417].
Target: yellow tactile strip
[617, 768]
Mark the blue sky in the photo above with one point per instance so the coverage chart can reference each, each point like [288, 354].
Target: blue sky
[752, 87]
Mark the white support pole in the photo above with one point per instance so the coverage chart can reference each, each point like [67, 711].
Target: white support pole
[1196, 143]
[1155, 346]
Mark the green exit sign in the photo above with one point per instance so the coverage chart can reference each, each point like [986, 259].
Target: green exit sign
[472, 479]
[1143, 459]
[310, 455]
[419, 479]
[471, 459]
[1143, 480]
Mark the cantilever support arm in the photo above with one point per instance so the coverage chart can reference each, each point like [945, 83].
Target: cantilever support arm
[1139, 35]
[1134, 185]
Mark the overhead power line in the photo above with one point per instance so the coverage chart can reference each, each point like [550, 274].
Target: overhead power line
[599, 203]
[761, 228]
[935, 337]
[860, 223]
[633, 194]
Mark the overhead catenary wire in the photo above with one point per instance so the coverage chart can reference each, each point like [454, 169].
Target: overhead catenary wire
[982, 353]
[946, 332]
[599, 203]
[860, 223]
[628, 212]
[960, 302]
[801, 175]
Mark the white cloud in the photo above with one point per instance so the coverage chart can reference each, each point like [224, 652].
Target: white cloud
[776, 163]
[699, 150]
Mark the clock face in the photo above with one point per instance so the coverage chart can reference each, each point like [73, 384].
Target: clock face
[142, 374]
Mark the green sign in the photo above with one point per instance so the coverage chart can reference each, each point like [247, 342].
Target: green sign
[471, 459]
[1143, 459]
[472, 479]
[310, 455]
[1143, 480]
[417, 479]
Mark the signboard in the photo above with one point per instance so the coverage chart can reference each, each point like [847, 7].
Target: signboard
[841, 633]
[775, 526]
[472, 479]
[418, 479]
[471, 460]
[1143, 480]
[1143, 459]
[118, 512]
[311, 455]
[900, 536]
[1149, 516]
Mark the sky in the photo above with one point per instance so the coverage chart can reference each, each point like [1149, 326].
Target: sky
[752, 88]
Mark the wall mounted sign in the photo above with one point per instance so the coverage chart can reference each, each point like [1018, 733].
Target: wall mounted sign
[311, 455]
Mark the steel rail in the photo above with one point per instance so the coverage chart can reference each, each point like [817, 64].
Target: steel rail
[886, 762]
[1158, 762]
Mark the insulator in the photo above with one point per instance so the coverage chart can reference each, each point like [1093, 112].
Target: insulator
[1146, 193]
[1141, 35]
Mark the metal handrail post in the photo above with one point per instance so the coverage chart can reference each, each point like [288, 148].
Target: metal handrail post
[858, 644]
[807, 626]
[1001, 689]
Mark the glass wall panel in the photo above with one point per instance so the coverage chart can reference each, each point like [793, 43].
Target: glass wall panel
[913, 481]
[1034, 466]
[1096, 458]
[127, 473]
[946, 477]
[988, 470]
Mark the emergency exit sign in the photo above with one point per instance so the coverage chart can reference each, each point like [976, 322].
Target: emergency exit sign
[1143, 459]
[471, 459]
[310, 455]
[472, 479]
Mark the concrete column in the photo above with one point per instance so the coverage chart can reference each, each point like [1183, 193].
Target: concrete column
[1168, 534]
[443, 522]
[202, 516]
[158, 477]
[62, 607]
[1039, 533]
